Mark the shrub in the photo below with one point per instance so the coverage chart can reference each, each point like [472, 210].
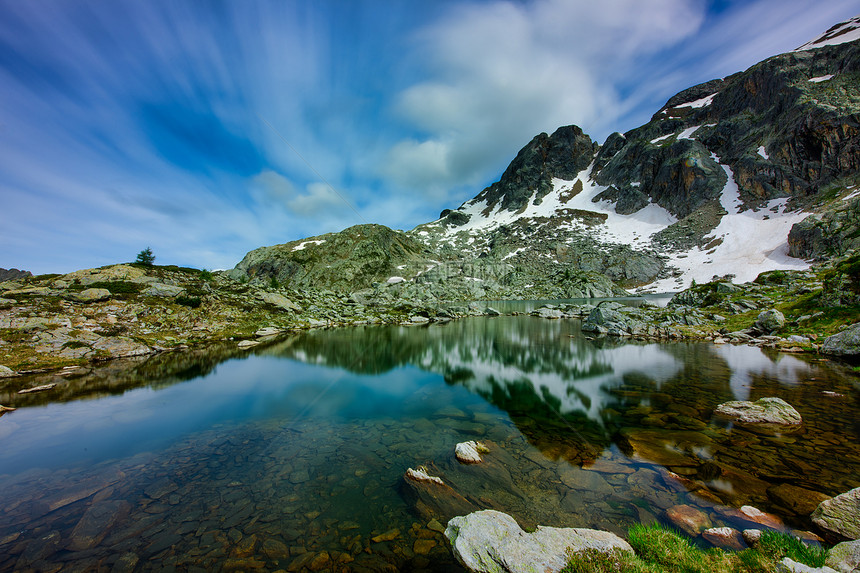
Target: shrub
[189, 301]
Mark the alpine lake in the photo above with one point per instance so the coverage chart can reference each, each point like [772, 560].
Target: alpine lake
[291, 455]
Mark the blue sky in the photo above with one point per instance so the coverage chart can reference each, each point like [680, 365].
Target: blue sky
[207, 129]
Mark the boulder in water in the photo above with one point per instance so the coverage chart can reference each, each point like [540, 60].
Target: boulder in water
[766, 415]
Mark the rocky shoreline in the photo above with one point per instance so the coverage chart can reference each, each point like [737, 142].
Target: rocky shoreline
[50, 322]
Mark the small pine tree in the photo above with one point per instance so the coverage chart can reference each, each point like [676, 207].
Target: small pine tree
[145, 257]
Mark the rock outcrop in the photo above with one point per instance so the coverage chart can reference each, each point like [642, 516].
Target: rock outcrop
[491, 541]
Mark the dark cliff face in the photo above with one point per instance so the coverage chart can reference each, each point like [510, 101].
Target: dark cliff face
[781, 134]
[13, 274]
[563, 154]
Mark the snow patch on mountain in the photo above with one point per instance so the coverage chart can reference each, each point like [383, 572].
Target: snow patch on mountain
[699, 103]
[820, 79]
[841, 33]
[744, 244]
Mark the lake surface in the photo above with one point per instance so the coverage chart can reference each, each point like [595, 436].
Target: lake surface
[291, 456]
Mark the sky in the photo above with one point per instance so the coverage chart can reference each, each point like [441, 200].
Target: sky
[206, 129]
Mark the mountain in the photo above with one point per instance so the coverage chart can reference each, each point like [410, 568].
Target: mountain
[753, 172]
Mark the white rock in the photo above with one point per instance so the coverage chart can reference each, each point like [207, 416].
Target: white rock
[491, 541]
[248, 343]
[421, 474]
[470, 452]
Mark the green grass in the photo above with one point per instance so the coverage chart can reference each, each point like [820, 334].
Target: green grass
[659, 549]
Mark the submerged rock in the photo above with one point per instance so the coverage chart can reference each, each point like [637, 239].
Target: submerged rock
[433, 498]
[840, 516]
[688, 519]
[765, 415]
[725, 537]
[491, 541]
[799, 500]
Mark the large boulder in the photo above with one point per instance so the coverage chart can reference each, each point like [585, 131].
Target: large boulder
[280, 301]
[765, 416]
[491, 541]
[770, 320]
[90, 295]
[845, 343]
[840, 516]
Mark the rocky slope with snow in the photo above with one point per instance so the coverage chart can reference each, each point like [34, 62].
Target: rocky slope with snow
[754, 172]
[712, 185]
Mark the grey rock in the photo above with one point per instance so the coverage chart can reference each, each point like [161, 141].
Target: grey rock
[840, 516]
[845, 557]
[280, 301]
[268, 331]
[545, 312]
[165, 290]
[89, 295]
[766, 415]
[491, 541]
[6, 372]
[770, 320]
[845, 343]
[752, 536]
[789, 565]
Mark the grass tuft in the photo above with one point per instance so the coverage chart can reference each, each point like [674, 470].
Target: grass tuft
[778, 545]
[659, 549]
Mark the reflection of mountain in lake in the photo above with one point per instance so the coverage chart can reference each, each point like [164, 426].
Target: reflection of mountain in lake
[515, 361]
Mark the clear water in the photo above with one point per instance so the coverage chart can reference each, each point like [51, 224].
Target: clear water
[291, 456]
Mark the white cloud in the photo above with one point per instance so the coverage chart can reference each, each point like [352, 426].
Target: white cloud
[319, 199]
[501, 72]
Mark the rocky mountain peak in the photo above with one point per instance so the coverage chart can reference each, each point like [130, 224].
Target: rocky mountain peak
[563, 154]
